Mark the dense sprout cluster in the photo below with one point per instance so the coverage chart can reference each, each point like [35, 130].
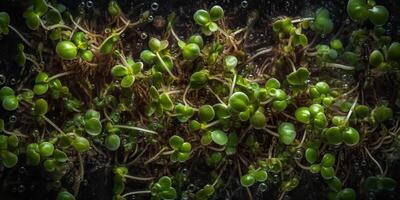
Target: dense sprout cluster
[203, 103]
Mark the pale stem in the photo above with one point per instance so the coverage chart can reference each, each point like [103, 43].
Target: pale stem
[53, 124]
[155, 156]
[216, 96]
[271, 132]
[211, 124]
[233, 84]
[135, 128]
[351, 110]
[165, 66]
[59, 75]
[339, 66]
[375, 161]
[302, 20]
[303, 139]
[137, 192]
[259, 53]
[139, 178]
[21, 36]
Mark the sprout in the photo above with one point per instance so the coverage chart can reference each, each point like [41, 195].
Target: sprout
[8, 99]
[127, 72]
[322, 23]
[360, 11]
[253, 176]
[181, 149]
[207, 19]
[113, 8]
[311, 155]
[163, 189]
[112, 142]
[4, 23]
[239, 101]
[91, 122]
[299, 77]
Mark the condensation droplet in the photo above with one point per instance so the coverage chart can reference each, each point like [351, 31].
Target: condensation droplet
[154, 6]
[89, 4]
[143, 36]
[262, 187]
[21, 189]
[150, 18]
[3, 79]
[244, 4]
[13, 81]
[12, 119]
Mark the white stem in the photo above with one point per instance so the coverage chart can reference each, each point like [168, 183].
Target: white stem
[233, 84]
[21, 36]
[53, 124]
[271, 132]
[375, 161]
[135, 128]
[59, 75]
[137, 192]
[339, 66]
[139, 178]
[165, 66]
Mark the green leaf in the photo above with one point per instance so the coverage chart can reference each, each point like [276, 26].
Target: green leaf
[311, 155]
[46, 149]
[287, 133]
[303, 115]
[219, 137]
[247, 180]
[191, 51]
[199, 79]
[60, 156]
[112, 142]
[4, 22]
[201, 17]
[334, 135]
[258, 120]
[322, 22]
[107, 45]
[166, 102]
[216, 13]
[127, 81]
[65, 195]
[176, 142]
[67, 50]
[32, 20]
[239, 101]
[357, 10]
[298, 77]
[350, 136]
[260, 175]
[8, 159]
[113, 8]
[10, 103]
[53, 17]
[230, 62]
[328, 160]
[93, 126]
[40, 107]
[80, 144]
[378, 15]
[40, 7]
[206, 113]
[119, 71]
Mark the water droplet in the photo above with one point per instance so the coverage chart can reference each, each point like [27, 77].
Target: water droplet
[13, 81]
[154, 6]
[143, 36]
[299, 154]
[150, 18]
[89, 4]
[244, 4]
[3, 79]
[262, 187]
[185, 171]
[21, 189]
[363, 163]
[22, 170]
[12, 119]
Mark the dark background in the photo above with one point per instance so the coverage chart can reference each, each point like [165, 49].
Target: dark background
[30, 183]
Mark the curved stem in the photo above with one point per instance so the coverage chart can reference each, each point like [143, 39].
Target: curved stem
[339, 66]
[155, 156]
[135, 128]
[211, 124]
[271, 132]
[259, 53]
[233, 84]
[219, 175]
[139, 178]
[49, 28]
[82, 29]
[303, 139]
[53, 124]
[59, 75]
[137, 192]
[165, 66]
[302, 20]
[20, 36]
[351, 110]
[301, 165]
[216, 96]
[375, 161]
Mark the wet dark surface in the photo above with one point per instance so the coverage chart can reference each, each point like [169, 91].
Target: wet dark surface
[33, 183]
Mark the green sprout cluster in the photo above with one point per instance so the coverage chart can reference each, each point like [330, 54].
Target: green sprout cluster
[206, 102]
